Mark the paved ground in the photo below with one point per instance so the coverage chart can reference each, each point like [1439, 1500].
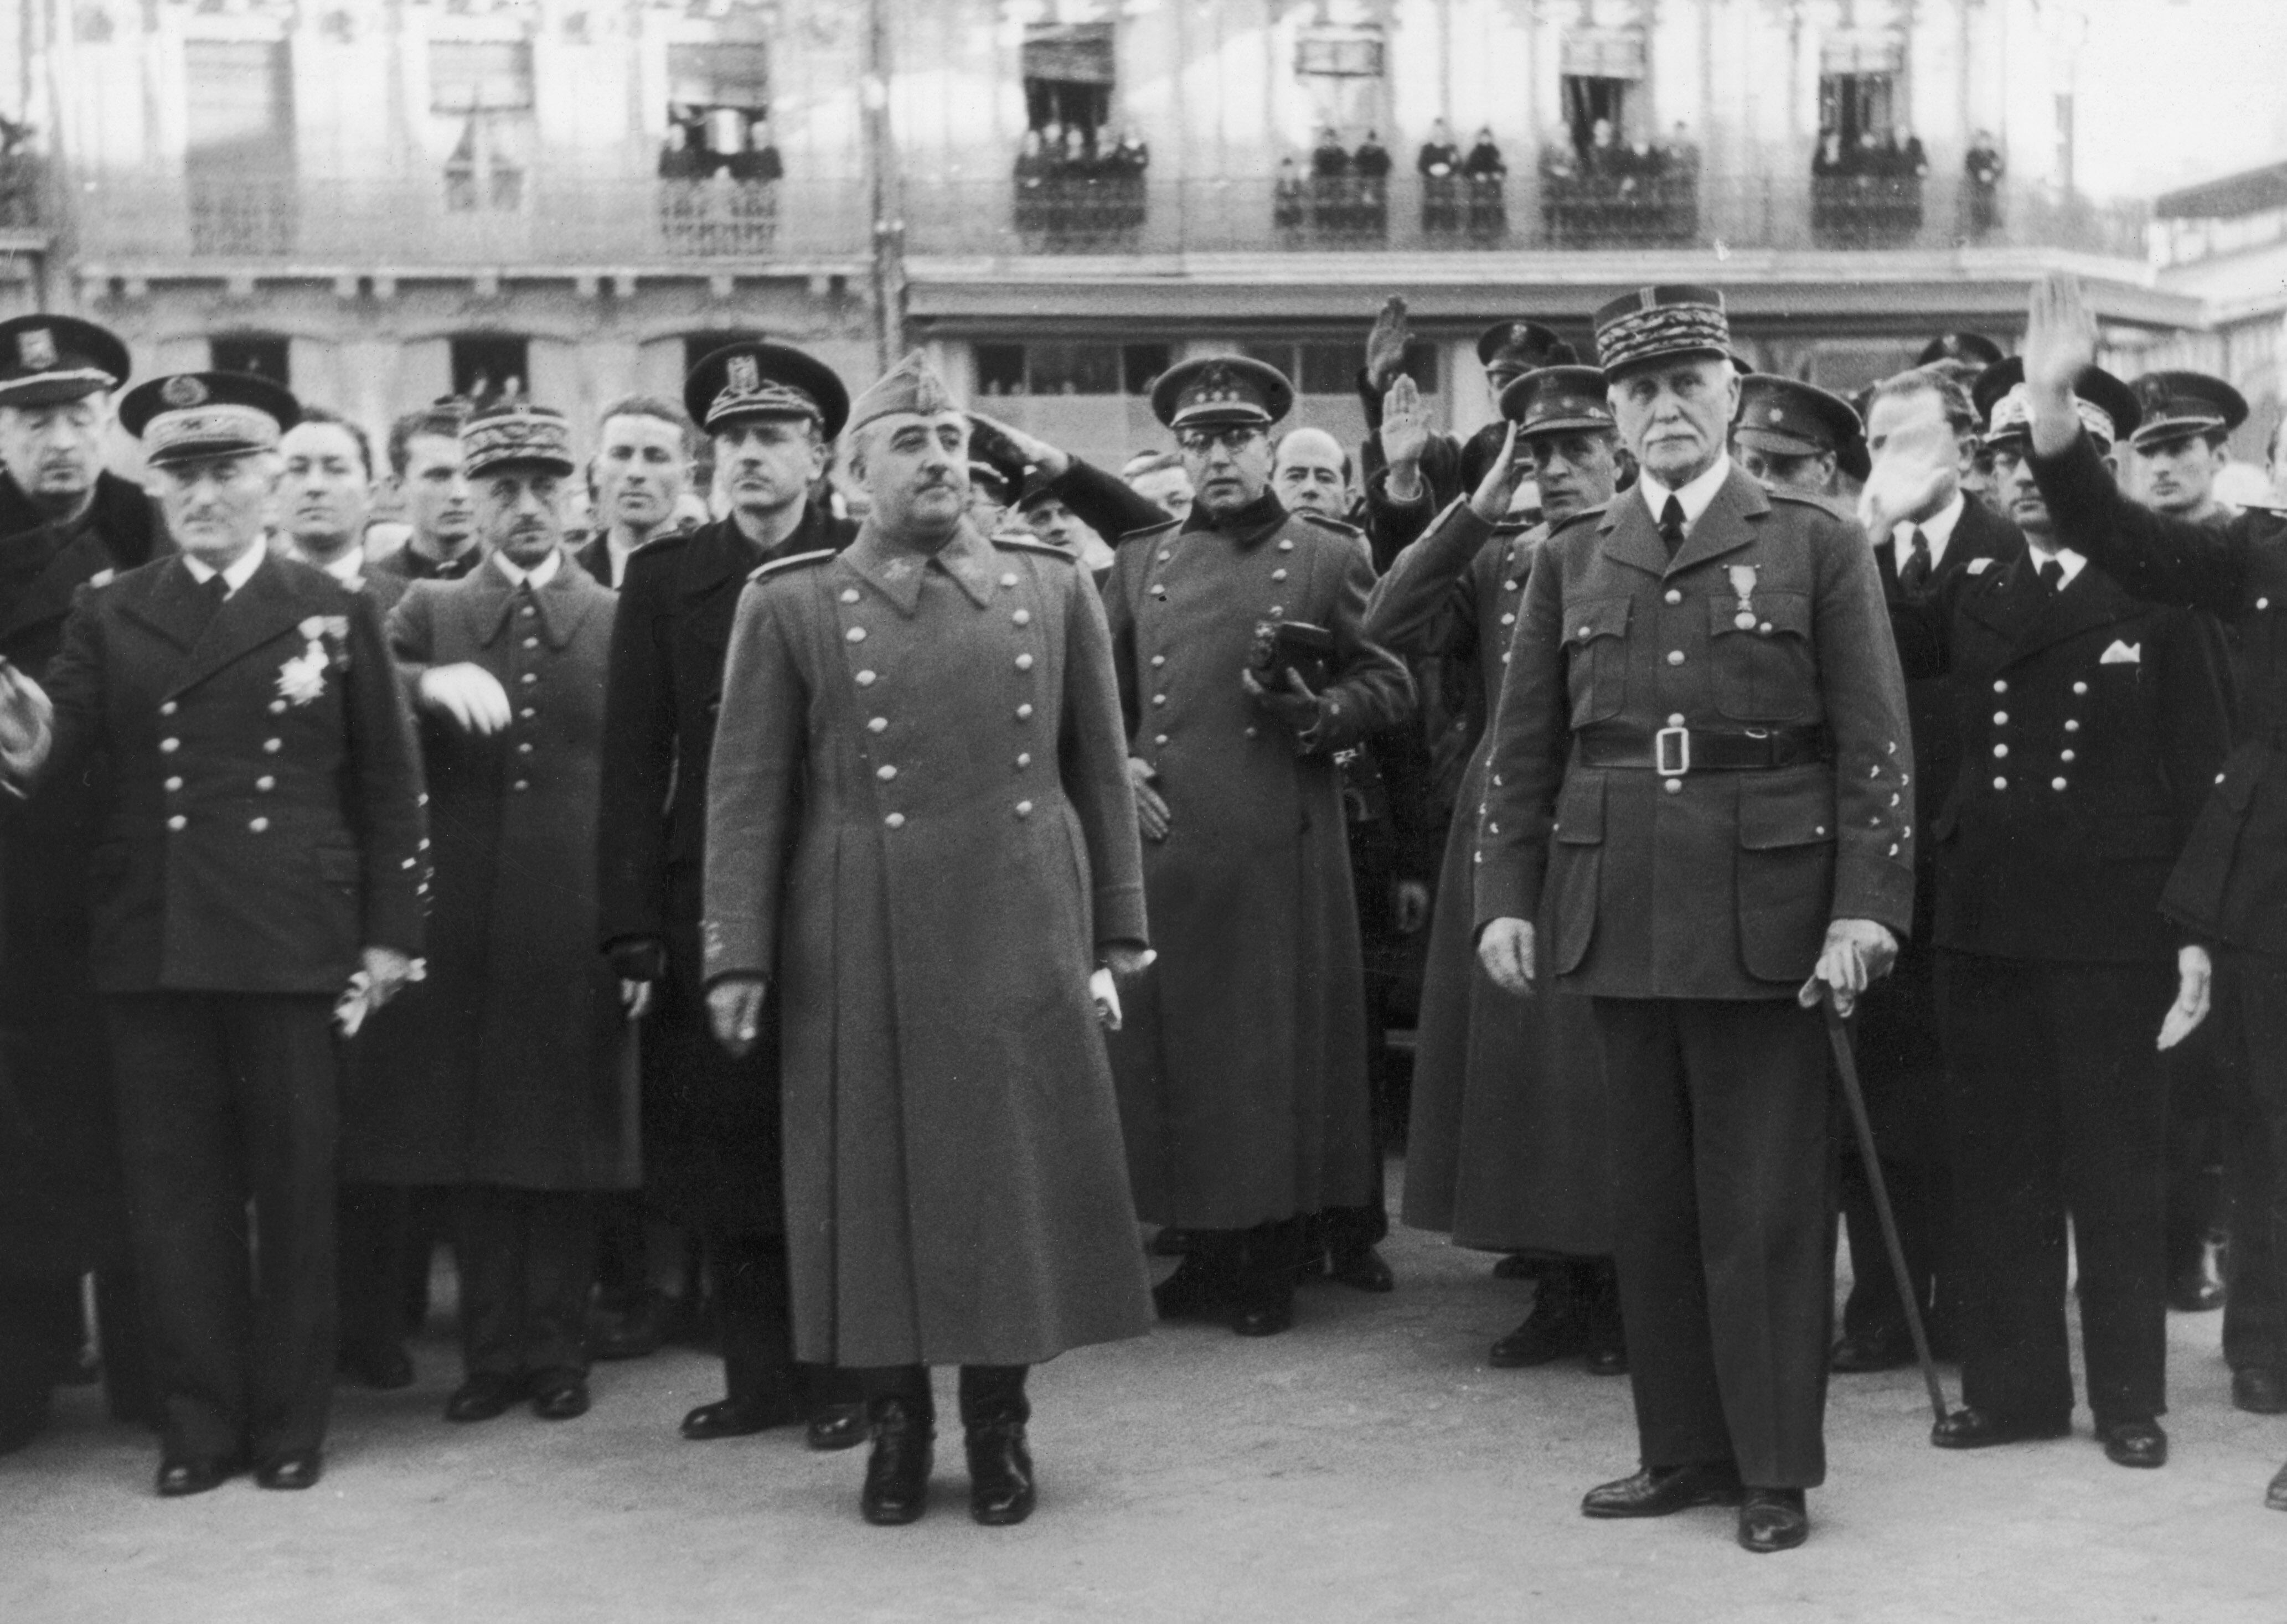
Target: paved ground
[1367, 1466]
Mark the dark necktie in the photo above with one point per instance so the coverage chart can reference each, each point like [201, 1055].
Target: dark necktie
[1916, 574]
[1671, 525]
[213, 591]
[2052, 577]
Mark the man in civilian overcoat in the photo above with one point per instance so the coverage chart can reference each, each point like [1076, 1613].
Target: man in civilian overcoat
[919, 822]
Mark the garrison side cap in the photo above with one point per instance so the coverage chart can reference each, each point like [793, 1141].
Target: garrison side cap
[2179, 404]
[185, 416]
[759, 380]
[45, 360]
[1221, 391]
[1793, 419]
[911, 386]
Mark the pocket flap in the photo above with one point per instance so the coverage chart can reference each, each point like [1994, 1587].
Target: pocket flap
[1595, 618]
[1777, 614]
[1802, 817]
[1580, 811]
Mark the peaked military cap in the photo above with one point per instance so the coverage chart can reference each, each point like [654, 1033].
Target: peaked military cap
[2176, 404]
[912, 385]
[516, 434]
[1556, 399]
[1793, 419]
[1974, 348]
[2107, 407]
[1523, 346]
[45, 359]
[1654, 324]
[764, 380]
[187, 416]
[1221, 391]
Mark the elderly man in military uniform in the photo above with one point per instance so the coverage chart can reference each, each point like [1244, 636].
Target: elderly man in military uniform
[1242, 1067]
[919, 822]
[258, 860]
[1506, 1149]
[2090, 726]
[1793, 436]
[1700, 771]
[712, 1143]
[63, 522]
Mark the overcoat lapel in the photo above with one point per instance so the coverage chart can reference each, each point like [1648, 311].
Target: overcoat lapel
[259, 612]
[2029, 618]
[48, 595]
[1726, 526]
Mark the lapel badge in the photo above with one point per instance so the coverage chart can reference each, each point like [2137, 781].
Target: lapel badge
[36, 348]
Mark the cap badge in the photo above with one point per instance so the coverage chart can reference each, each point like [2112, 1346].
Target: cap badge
[36, 348]
[744, 374]
[182, 391]
[1777, 414]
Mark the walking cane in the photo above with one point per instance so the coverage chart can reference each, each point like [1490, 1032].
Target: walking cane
[1838, 1037]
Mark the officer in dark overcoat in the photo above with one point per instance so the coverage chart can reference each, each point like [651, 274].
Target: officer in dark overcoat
[258, 859]
[2091, 725]
[711, 1127]
[64, 520]
[1700, 769]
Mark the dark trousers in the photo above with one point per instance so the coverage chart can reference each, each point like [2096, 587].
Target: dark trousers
[1921, 1199]
[1723, 1198]
[374, 1242]
[228, 1100]
[2195, 1175]
[2057, 1109]
[528, 1262]
[42, 1329]
[989, 1393]
[2249, 1020]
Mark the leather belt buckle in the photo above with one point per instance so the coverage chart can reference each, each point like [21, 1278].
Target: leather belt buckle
[1678, 740]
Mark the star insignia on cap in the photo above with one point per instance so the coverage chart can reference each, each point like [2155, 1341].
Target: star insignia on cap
[35, 348]
[183, 391]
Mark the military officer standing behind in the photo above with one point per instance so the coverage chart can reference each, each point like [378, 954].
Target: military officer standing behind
[711, 1120]
[2181, 443]
[63, 521]
[1793, 436]
[259, 846]
[1701, 764]
[919, 820]
[1242, 1067]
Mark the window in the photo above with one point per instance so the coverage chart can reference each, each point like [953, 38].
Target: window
[1069, 71]
[1603, 72]
[719, 109]
[1342, 68]
[1063, 367]
[489, 366]
[481, 109]
[240, 106]
[1858, 75]
[262, 354]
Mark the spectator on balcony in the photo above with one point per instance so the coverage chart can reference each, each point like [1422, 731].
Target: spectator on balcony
[758, 159]
[1371, 160]
[1439, 159]
[1984, 168]
[1829, 158]
[1560, 159]
[1133, 156]
[1604, 151]
[1484, 171]
[1287, 198]
[680, 158]
[1439, 165]
[1329, 160]
[1908, 159]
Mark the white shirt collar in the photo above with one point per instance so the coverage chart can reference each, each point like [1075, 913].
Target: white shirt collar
[538, 575]
[2073, 562]
[349, 568]
[236, 576]
[1695, 496]
[1937, 530]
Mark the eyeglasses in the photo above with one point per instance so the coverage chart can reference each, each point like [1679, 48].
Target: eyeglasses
[1198, 442]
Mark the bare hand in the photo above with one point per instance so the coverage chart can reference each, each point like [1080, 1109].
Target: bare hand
[1104, 993]
[635, 997]
[1506, 950]
[471, 696]
[1857, 953]
[2060, 345]
[2195, 976]
[1386, 345]
[735, 1010]
[1408, 906]
[1293, 702]
[1910, 478]
[1498, 489]
[27, 722]
[1029, 448]
[386, 972]
[1405, 437]
[1151, 809]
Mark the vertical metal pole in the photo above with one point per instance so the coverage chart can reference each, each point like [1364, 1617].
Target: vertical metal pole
[887, 224]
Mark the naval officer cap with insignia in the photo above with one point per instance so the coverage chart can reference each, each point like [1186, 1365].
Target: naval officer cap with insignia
[56, 374]
[48, 360]
[210, 442]
[1792, 435]
[2107, 407]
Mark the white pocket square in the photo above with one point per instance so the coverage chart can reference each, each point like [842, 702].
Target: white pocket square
[2121, 654]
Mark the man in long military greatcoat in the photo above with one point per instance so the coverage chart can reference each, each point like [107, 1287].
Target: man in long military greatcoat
[712, 1147]
[919, 822]
[1700, 768]
[1242, 1066]
[508, 1074]
[63, 522]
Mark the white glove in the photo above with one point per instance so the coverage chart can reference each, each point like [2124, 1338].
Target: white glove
[471, 695]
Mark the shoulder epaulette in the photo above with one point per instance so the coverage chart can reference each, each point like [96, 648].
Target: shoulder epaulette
[791, 561]
[1148, 530]
[1020, 544]
[1340, 527]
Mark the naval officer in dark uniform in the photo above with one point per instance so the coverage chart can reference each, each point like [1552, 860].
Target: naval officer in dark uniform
[258, 858]
[1701, 770]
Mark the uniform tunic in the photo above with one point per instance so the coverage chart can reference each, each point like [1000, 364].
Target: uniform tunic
[919, 825]
[1242, 1066]
[511, 1064]
[1506, 1148]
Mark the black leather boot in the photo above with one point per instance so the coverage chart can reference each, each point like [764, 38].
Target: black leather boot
[993, 1411]
[1265, 1279]
[897, 1473]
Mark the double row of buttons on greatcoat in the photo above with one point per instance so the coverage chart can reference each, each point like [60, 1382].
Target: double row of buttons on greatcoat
[2066, 754]
[263, 785]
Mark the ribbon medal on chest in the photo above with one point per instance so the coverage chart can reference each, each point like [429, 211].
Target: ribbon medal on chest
[1742, 584]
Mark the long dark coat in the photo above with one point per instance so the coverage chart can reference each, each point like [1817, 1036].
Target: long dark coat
[1242, 1067]
[59, 1202]
[1507, 1146]
[511, 1063]
[710, 1122]
[919, 823]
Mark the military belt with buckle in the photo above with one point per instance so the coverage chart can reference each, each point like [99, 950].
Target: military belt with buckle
[1675, 752]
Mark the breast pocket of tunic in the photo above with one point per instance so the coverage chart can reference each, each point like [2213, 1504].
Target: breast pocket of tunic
[1596, 658]
[1766, 668]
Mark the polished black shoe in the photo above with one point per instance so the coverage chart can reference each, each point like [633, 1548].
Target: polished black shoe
[2133, 1443]
[1265, 1316]
[485, 1395]
[295, 1468]
[384, 1367]
[1970, 1427]
[1192, 1293]
[1773, 1519]
[836, 1426]
[1000, 1474]
[1863, 1355]
[897, 1473]
[193, 1474]
[1549, 1333]
[560, 1395]
[1363, 1270]
[741, 1418]
[2197, 1287]
[1661, 1491]
[2259, 1392]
